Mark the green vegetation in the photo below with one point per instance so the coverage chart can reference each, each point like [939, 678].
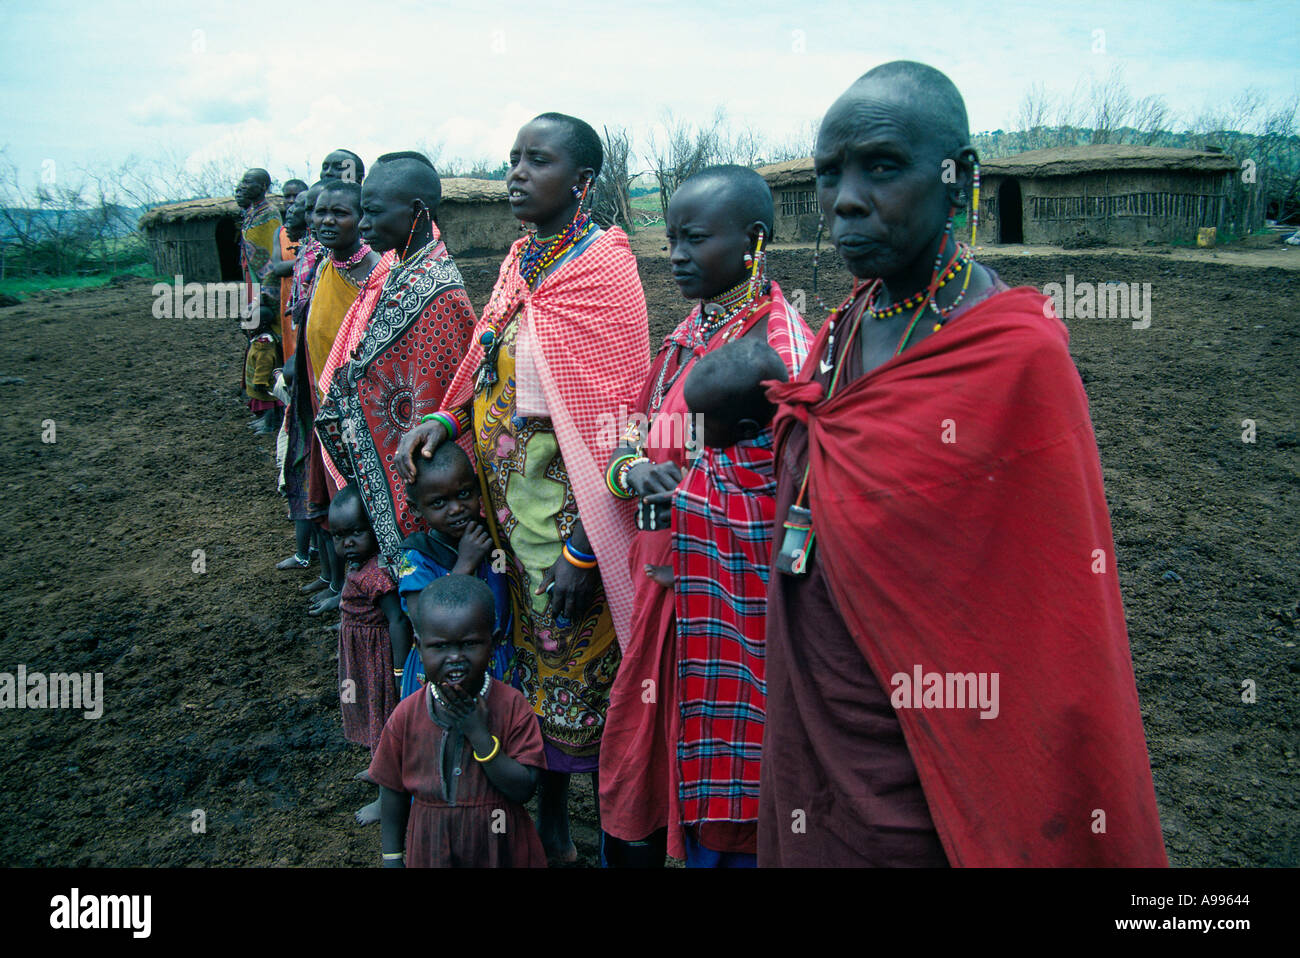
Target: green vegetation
[24, 286]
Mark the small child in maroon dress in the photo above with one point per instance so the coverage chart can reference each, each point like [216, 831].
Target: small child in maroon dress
[466, 747]
[374, 634]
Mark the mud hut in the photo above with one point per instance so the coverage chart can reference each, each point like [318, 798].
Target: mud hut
[1113, 194]
[794, 194]
[197, 239]
[475, 216]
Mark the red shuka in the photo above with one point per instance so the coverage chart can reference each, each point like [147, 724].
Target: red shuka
[960, 518]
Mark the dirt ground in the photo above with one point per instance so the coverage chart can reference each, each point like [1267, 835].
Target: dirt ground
[220, 693]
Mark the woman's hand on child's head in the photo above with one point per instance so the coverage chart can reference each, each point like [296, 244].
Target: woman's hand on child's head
[649, 478]
[420, 441]
[475, 544]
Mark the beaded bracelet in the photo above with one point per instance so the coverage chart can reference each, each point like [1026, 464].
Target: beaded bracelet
[575, 561]
[625, 470]
[496, 747]
[394, 856]
[397, 673]
[613, 474]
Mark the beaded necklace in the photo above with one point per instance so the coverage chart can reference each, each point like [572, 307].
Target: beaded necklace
[433, 688]
[357, 257]
[540, 254]
[727, 309]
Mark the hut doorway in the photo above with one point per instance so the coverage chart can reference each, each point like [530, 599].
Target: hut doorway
[1011, 224]
[227, 240]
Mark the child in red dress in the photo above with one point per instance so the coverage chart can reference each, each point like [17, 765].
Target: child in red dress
[467, 747]
[374, 634]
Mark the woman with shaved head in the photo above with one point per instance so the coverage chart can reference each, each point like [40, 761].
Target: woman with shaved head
[948, 670]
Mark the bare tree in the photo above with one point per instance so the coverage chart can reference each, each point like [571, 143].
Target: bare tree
[1110, 106]
[679, 149]
[611, 200]
[1032, 118]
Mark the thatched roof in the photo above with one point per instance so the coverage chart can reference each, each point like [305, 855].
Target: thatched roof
[1105, 157]
[206, 209]
[463, 189]
[783, 174]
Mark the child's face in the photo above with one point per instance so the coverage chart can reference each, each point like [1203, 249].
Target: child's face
[354, 542]
[706, 247]
[455, 644]
[447, 498]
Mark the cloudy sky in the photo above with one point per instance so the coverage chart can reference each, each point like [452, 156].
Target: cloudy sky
[279, 85]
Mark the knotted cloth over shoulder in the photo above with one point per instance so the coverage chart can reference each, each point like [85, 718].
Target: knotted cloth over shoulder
[957, 500]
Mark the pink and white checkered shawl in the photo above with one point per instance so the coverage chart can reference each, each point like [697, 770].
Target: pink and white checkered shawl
[587, 324]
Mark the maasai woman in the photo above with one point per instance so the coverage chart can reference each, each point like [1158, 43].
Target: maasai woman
[397, 350]
[283, 259]
[696, 615]
[562, 348]
[298, 427]
[340, 278]
[940, 496]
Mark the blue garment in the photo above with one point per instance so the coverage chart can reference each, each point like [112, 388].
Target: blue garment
[697, 856]
[425, 557]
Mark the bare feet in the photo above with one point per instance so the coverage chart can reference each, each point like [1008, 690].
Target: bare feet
[328, 603]
[315, 585]
[294, 561]
[368, 814]
[364, 776]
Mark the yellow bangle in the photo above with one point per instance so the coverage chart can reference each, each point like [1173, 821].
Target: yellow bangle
[393, 856]
[574, 561]
[496, 747]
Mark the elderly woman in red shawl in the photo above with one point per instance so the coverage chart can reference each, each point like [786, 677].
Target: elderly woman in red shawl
[561, 348]
[949, 677]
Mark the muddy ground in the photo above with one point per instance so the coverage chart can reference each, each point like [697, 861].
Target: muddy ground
[220, 692]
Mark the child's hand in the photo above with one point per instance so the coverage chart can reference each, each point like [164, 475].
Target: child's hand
[662, 574]
[475, 544]
[468, 714]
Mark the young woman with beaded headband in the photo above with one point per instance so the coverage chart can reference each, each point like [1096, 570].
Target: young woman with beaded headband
[561, 348]
[672, 777]
[940, 493]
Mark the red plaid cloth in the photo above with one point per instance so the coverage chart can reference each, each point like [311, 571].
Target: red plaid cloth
[588, 321]
[722, 545]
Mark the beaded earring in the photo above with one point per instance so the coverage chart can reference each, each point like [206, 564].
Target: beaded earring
[817, 253]
[975, 205]
[756, 276]
[414, 223]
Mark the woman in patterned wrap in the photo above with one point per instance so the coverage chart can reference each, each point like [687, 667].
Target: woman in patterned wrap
[558, 356]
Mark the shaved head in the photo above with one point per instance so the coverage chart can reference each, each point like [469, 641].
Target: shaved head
[410, 176]
[743, 193]
[727, 380]
[925, 94]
